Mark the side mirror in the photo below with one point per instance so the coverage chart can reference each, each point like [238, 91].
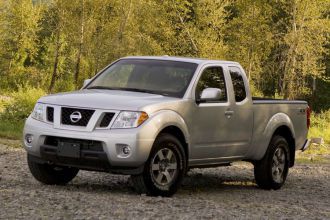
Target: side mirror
[86, 82]
[210, 94]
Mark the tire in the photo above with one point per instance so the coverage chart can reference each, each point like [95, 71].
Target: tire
[50, 174]
[271, 171]
[164, 169]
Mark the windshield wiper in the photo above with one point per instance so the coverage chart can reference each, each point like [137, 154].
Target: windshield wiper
[100, 87]
[145, 91]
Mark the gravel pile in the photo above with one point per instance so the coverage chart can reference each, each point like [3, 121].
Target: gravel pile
[225, 192]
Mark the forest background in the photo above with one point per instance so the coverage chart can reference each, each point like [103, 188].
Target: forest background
[49, 46]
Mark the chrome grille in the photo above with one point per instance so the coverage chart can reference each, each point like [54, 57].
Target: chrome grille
[66, 114]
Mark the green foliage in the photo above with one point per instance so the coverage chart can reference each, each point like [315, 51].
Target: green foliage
[21, 104]
[254, 91]
[54, 45]
[320, 100]
[320, 126]
[18, 41]
[316, 149]
[3, 101]
[11, 129]
[250, 36]
[302, 39]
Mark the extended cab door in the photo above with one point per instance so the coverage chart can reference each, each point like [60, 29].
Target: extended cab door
[240, 128]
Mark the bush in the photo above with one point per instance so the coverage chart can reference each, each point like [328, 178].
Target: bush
[11, 129]
[320, 126]
[21, 104]
[3, 100]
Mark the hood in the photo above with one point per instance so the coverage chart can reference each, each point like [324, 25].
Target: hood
[105, 99]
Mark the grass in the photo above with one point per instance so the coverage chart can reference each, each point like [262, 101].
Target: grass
[320, 131]
[11, 130]
[313, 160]
[320, 126]
[316, 153]
[318, 149]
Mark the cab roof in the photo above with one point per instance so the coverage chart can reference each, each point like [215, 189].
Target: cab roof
[182, 59]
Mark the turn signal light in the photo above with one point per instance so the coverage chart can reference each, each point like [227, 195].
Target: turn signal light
[143, 117]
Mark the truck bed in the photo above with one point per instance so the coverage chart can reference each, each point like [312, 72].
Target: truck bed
[269, 112]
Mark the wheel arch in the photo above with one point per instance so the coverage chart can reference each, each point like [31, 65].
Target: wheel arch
[286, 133]
[167, 121]
[278, 124]
[178, 133]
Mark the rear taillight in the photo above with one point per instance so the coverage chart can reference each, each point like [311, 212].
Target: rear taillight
[308, 116]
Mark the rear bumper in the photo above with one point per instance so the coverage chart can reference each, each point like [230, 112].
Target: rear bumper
[306, 145]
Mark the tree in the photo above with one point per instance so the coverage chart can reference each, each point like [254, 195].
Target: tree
[302, 39]
[250, 37]
[198, 27]
[18, 40]
[53, 33]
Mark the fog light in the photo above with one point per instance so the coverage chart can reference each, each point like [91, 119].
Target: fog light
[29, 138]
[123, 150]
[126, 150]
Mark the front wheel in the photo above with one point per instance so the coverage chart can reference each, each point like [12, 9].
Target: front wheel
[51, 174]
[272, 170]
[164, 170]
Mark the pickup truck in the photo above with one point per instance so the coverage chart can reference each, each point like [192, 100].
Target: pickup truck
[154, 118]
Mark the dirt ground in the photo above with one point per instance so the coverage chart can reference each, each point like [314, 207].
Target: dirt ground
[216, 193]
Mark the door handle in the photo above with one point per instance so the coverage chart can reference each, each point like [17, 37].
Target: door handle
[229, 113]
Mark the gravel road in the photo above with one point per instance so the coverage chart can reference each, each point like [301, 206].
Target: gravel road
[225, 192]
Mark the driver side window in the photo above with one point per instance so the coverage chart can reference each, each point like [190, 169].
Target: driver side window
[212, 77]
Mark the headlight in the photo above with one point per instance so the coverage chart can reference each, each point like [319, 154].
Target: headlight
[127, 119]
[38, 112]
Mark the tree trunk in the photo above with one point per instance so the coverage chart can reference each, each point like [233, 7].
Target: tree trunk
[96, 68]
[251, 46]
[249, 70]
[122, 27]
[191, 39]
[57, 54]
[81, 42]
[291, 59]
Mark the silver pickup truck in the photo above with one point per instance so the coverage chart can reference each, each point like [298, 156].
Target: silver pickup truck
[156, 117]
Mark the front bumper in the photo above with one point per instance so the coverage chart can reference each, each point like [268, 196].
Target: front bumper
[139, 140]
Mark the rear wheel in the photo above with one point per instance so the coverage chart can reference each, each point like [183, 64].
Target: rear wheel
[164, 170]
[272, 170]
[50, 174]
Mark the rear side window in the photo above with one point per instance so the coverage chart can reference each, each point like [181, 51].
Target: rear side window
[238, 83]
[212, 77]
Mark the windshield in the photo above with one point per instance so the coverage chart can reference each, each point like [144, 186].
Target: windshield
[168, 78]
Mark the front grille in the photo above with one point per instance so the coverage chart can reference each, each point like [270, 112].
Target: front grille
[106, 119]
[84, 144]
[50, 114]
[85, 114]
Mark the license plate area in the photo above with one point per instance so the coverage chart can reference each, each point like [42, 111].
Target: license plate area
[67, 149]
